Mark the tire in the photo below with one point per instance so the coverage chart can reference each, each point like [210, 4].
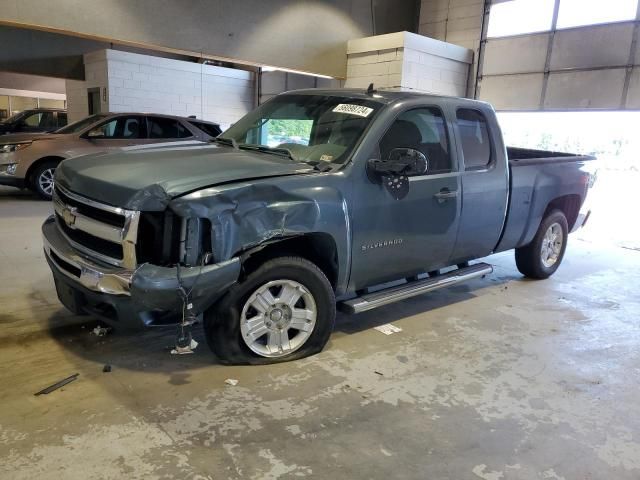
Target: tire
[42, 179]
[542, 257]
[257, 309]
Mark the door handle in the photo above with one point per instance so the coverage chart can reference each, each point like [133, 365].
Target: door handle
[445, 194]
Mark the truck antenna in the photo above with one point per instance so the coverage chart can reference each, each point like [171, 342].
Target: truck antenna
[370, 89]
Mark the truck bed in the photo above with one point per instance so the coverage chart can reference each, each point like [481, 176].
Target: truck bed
[536, 177]
[529, 156]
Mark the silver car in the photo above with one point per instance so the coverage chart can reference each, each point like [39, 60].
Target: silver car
[30, 160]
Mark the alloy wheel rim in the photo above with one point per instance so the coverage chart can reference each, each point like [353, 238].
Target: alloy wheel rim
[278, 318]
[45, 180]
[551, 245]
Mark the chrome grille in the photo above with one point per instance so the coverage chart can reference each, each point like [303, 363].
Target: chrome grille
[106, 233]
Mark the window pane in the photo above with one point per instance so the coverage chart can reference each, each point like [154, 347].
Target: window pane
[520, 16]
[574, 13]
[421, 129]
[48, 121]
[62, 119]
[314, 128]
[32, 120]
[160, 127]
[123, 127]
[474, 136]
[279, 131]
[51, 103]
[209, 129]
[18, 104]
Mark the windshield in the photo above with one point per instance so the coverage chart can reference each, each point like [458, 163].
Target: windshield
[80, 125]
[312, 128]
[15, 117]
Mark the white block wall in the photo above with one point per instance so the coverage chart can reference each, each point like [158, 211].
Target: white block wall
[143, 83]
[405, 61]
[454, 21]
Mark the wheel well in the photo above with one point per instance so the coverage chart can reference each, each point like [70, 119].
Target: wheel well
[319, 248]
[35, 165]
[567, 204]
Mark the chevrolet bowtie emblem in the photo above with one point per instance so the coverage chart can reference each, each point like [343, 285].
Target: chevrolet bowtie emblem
[69, 216]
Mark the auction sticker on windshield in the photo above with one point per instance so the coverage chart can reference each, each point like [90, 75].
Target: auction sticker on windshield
[351, 109]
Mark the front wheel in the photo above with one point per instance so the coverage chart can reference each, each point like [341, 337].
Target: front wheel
[283, 311]
[542, 257]
[42, 179]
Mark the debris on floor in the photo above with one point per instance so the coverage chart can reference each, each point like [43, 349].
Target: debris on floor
[388, 329]
[231, 381]
[100, 331]
[378, 373]
[106, 369]
[178, 350]
[57, 385]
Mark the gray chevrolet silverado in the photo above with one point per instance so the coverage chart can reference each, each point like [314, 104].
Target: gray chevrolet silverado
[316, 199]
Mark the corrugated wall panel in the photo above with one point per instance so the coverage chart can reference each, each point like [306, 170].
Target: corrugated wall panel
[513, 92]
[600, 89]
[587, 47]
[583, 68]
[633, 95]
[516, 55]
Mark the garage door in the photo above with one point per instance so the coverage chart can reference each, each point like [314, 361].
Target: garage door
[562, 55]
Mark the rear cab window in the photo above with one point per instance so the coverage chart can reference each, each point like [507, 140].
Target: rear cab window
[475, 139]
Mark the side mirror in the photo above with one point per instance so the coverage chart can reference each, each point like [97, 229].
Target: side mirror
[401, 161]
[394, 172]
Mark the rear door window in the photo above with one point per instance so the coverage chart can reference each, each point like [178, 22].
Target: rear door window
[120, 127]
[208, 128]
[475, 139]
[161, 127]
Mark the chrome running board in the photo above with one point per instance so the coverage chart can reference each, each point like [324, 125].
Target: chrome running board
[418, 287]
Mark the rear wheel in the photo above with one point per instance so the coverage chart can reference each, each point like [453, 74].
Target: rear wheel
[283, 311]
[542, 257]
[42, 179]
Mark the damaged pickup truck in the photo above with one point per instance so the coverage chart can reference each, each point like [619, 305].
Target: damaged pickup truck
[315, 199]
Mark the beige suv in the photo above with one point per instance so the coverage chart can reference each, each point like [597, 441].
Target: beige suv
[30, 160]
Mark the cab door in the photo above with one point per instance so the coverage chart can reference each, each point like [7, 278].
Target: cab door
[485, 182]
[396, 238]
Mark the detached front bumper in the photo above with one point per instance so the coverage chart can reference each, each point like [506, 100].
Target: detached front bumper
[146, 296]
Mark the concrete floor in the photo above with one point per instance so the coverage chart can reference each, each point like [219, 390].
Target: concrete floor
[502, 378]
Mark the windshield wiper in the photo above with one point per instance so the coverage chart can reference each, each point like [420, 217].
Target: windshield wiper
[282, 152]
[229, 142]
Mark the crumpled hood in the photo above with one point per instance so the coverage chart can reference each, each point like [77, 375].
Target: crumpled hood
[149, 179]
